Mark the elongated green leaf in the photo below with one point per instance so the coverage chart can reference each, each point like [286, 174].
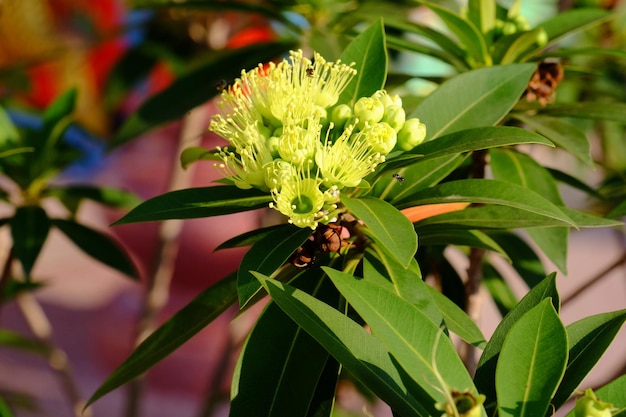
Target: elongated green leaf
[196, 202]
[389, 228]
[523, 258]
[369, 54]
[422, 174]
[524, 42]
[617, 211]
[469, 36]
[588, 110]
[520, 169]
[266, 256]
[384, 271]
[486, 371]
[615, 393]
[482, 13]
[574, 182]
[499, 290]
[564, 134]
[361, 353]
[14, 340]
[487, 192]
[249, 238]
[71, 196]
[29, 230]
[466, 141]
[411, 337]
[569, 22]
[531, 363]
[282, 355]
[97, 245]
[593, 51]
[56, 119]
[457, 320]
[197, 153]
[583, 219]
[460, 237]
[588, 340]
[9, 135]
[194, 88]
[5, 411]
[472, 99]
[187, 322]
[487, 217]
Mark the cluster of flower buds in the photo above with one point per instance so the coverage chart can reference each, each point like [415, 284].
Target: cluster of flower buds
[289, 136]
[590, 406]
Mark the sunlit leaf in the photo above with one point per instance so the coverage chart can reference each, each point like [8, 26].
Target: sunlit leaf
[183, 325]
[531, 363]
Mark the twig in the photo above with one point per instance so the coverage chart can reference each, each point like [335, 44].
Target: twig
[57, 359]
[595, 279]
[157, 291]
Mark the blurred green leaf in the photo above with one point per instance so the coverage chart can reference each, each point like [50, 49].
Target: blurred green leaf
[588, 340]
[531, 363]
[266, 256]
[197, 153]
[56, 119]
[195, 88]
[369, 54]
[564, 134]
[387, 226]
[250, 238]
[487, 192]
[9, 135]
[499, 290]
[468, 34]
[574, 182]
[411, 337]
[5, 411]
[521, 43]
[97, 245]
[488, 95]
[482, 13]
[183, 325]
[460, 237]
[615, 393]
[617, 211]
[523, 258]
[615, 111]
[196, 202]
[72, 195]
[14, 340]
[29, 230]
[486, 371]
[269, 10]
[361, 353]
[282, 355]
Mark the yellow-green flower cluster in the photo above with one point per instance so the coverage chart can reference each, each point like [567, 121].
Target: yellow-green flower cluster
[290, 137]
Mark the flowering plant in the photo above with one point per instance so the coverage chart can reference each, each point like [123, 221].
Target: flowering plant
[357, 178]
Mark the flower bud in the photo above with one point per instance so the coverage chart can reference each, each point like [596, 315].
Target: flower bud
[395, 117]
[412, 134]
[509, 28]
[542, 38]
[340, 115]
[368, 110]
[465, 404]
[380, 137]
[590, 406]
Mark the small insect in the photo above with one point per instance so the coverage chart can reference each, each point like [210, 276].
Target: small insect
[221, 85]
[399, 178]
[310, 72]
[328, 237]
[304, 257]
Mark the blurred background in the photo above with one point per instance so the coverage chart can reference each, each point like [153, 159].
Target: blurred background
[117, 54]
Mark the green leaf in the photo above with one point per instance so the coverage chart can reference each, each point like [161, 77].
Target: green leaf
[588, 110]
[14, 340]
[97, 245]
[482, 13]
[411, 337]
[457, 320]
[5, 411]
[361, 353]
[56, 119]
[29, 230]
[487, 192]
[459, 237]
[486, 370]
[287, 360]
[468, 34]
[531, 363]
[521, 42]
[266, 256]
[564, 134]
[583, 219]
[369, 54]
[196, 202]
[183, 325]
[72, 195]
[268, 10]
[499, 290]
[570, 21]
[488, 94]
[574, 182]
[523, 258]
[249, 238]
[617, 211]
[466, 141]
[9, 136]
[194, 88]
[487, 217]
[388, 227]
[197, 153]
[588, 340]
[615, 393]
[520, 169]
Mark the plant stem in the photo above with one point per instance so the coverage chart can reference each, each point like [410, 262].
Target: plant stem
[158, 283]
[57, 359]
